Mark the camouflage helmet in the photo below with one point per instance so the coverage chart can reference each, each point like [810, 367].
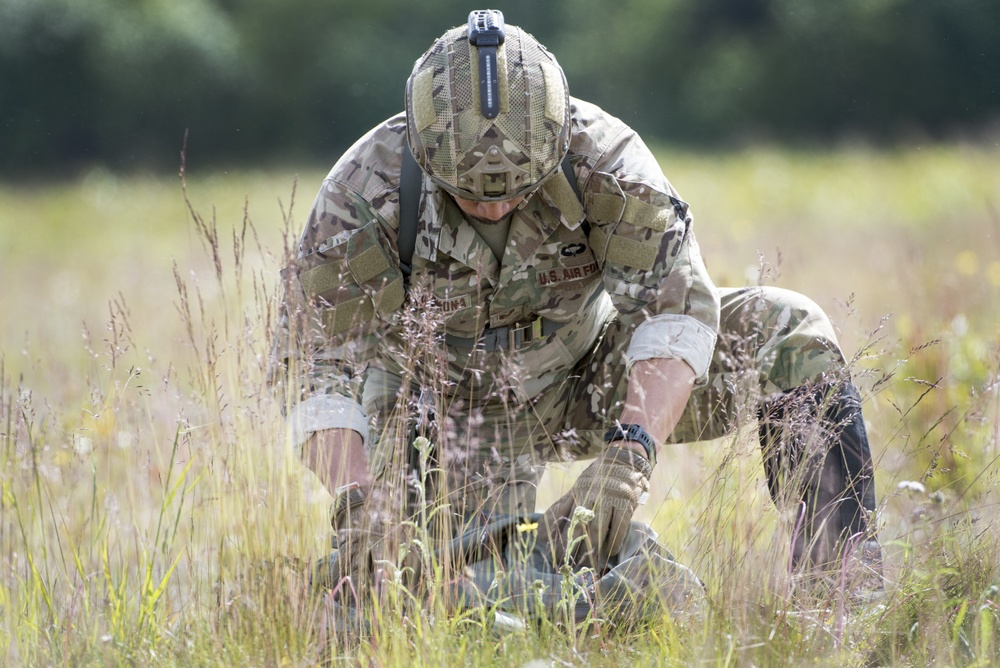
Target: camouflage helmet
[483, 137]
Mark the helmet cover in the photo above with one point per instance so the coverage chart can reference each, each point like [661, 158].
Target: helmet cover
[485, 158]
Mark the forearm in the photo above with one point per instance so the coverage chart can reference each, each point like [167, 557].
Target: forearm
[337, 457]
[615, 484]
[658, 391]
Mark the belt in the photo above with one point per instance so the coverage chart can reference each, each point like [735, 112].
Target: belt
[508, 337]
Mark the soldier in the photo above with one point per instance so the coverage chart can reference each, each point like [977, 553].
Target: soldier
[538, 295]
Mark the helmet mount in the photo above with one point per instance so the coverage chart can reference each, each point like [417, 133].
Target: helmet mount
[494, 175]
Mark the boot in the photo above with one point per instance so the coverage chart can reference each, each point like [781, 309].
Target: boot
[817, 457]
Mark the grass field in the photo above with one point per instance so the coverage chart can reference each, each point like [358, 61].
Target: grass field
[146, 479]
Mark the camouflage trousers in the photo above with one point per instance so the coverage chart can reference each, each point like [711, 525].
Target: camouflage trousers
[770, 341]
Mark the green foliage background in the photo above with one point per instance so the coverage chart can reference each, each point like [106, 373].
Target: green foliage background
[118, 82]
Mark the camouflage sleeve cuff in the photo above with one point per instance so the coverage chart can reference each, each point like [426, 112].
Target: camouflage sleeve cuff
[672, 335]
[326, 411]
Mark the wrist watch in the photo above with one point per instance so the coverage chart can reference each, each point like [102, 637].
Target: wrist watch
[633, 432]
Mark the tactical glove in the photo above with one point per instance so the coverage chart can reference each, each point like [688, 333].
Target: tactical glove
[370, 545]
[359, 528]
[611, 488]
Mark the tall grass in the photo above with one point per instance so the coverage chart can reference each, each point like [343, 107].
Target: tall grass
[151, 512]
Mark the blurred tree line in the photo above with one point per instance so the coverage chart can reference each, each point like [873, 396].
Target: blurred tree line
[117, 82]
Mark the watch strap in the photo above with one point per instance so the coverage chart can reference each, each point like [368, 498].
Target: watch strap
[635, 433]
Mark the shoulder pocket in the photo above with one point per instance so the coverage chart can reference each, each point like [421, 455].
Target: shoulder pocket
[616, 237]
[352, 278]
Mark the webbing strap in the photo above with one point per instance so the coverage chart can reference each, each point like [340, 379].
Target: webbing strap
[571, 177]
[507, 337]
[409, 202]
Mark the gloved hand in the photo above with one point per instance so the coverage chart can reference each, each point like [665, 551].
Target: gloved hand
[611, 488]
[370, 544]
[359, 529]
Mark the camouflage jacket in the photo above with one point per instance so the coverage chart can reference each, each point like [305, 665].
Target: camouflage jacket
[349, 310]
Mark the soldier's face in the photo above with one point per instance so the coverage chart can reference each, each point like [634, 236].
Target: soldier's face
[488, 212]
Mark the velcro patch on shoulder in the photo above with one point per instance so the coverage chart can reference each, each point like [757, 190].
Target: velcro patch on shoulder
[363, 309]
[621, 250]
[391, 297]
[348, 314]
[323, 278]
[644, 214]
[605, 208]
[368, 264]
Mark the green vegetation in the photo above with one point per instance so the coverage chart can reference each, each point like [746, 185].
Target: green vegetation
[118, 83]
[152, 514]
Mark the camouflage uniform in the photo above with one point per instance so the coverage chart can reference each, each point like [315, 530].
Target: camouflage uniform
[635, 288]
[511, 362]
